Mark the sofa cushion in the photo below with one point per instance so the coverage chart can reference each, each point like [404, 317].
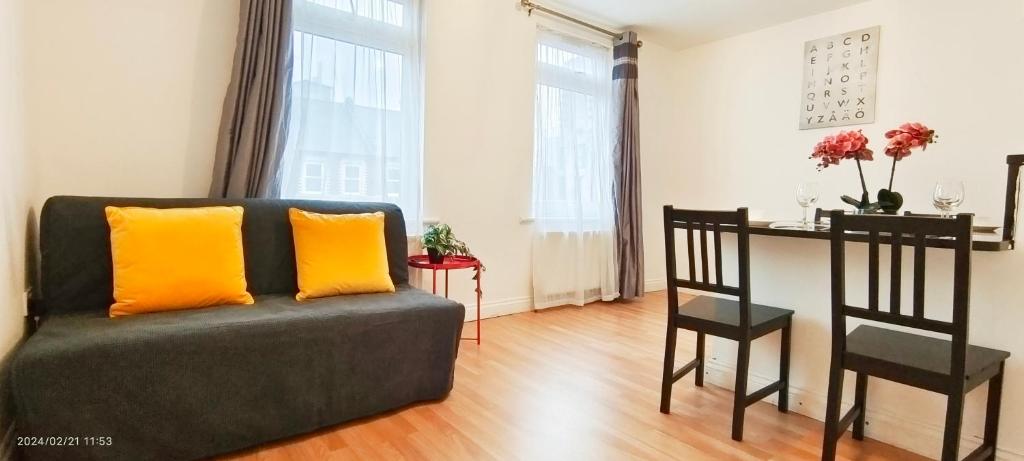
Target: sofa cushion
[339, 254]
[188, 384]
[179, 258]
[74, 241]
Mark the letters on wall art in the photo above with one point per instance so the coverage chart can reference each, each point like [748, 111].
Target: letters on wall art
[839, 79]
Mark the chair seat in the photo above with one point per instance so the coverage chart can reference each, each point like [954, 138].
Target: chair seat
[721, 317]
[902, 356]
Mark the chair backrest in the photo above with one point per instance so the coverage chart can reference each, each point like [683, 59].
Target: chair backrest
[1013, 165]
[702, 222]
[916, 231]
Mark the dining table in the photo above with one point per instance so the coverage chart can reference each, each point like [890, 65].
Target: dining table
[985, 238]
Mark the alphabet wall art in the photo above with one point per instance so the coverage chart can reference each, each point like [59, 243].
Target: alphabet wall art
[839, 79]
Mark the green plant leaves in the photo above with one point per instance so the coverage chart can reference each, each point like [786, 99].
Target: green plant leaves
[864, 204]
[441, 238]
[850, 200]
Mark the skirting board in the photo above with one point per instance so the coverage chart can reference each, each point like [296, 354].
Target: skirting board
[488, 308]
[498, 308]
[509, 306]
[922, 437]
[655, 285]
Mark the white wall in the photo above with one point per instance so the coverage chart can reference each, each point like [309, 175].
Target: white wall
[14, 198]
[125, 95]
[478, 152]
[14, 183]
[660, 87]
[953, 65]
[478, 139]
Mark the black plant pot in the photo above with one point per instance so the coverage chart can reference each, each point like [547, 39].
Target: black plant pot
[890, 201]
[434, 256]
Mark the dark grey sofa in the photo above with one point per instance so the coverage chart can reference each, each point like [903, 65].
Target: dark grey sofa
[190, 384]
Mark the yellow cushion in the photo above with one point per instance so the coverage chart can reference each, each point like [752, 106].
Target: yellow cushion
[339, 254]
[178, 258]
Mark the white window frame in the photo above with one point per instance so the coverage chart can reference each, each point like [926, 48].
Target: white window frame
[391, 179]
[360, 178]
[359, 7]
[304, 181]
[333, 23]
[342, 26]
[598, 86]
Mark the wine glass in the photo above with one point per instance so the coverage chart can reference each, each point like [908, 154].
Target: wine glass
[948, 195]
[807, 194]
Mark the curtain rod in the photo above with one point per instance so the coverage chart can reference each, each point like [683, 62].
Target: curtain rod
[530, 7]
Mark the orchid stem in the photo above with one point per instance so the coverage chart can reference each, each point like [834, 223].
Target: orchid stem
[863, 184]
[892, 172]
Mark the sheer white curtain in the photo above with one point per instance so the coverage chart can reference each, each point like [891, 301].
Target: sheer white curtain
[573, 244]
[356, 120]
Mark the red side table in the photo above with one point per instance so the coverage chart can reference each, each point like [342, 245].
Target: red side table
[452, 262]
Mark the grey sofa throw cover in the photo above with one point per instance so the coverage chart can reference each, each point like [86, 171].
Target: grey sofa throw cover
[626, 153]
[254, 121]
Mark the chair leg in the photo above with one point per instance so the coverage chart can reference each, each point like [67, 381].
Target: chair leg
[995, 397]
[670, 363]
[954, 417]
[832, 407]
[698, 377]
[860, 401]
[739, 405]
[787, 338]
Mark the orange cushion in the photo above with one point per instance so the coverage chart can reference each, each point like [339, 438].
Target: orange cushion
[339, 254]
[178, 258]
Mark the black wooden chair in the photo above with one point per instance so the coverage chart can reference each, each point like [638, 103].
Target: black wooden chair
[739, 320]
[950, 367]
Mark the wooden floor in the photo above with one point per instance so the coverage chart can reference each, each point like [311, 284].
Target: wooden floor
[572, 383]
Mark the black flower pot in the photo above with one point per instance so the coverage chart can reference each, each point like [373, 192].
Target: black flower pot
[434, 256]
[890, 201]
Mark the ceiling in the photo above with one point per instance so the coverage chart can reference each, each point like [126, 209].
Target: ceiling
[684, 23]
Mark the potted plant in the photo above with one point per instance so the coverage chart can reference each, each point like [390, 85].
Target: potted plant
[833, 149]
[440, 241]
[901, 141]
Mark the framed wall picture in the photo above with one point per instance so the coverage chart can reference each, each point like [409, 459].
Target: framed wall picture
[839, 79]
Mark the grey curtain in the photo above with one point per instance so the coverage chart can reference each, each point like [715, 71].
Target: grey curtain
[626, 116]
[254, 122]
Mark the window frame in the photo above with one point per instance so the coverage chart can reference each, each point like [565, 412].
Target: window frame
[568, 81]
[351, 28]
[388, 179]
[360, 178]
[303, 184]
[400, 138]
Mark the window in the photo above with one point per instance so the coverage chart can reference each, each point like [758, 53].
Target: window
[352, 180]
[386, 11]
[393, 179]
[312, 178]
[572, 151]
[356, 103]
